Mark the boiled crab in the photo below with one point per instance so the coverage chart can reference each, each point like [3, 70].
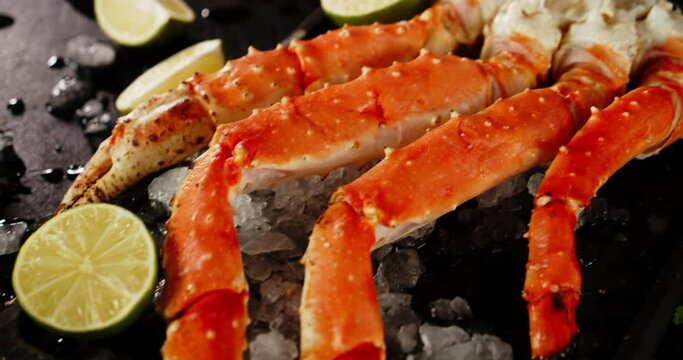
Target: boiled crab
[351, 123]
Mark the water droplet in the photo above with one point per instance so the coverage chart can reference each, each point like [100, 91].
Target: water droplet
[228, 14]
[73, 171]
[55, 62]
[53, 175]
[5, 21]
[11, 166]
[16, 106]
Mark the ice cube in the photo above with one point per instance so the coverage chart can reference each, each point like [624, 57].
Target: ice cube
[272, 346]
[248, 213]
[401, 269]
[289, 195]
[407, 337]
[163, 187]
[380, 253]
[417, 237]
[422, 232]
[256, 242]
[580, 219]
[273, 288]
[381, 283]
[464, 351]
[102, 123]
[509, 188]
[296, 226]
[292, 271]
[450, 310]
[396, 313]
[257, 268]
[87, 51]
[68, 94]
[90, 109]
[491, 347]
[534, 182]
[436, 338]
[393, 304]
[287, 325]
[10, 236]
[267, 312]
[597, 211]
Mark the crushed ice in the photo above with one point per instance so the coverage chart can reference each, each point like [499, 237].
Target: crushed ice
[68, 94]
[534, 182]
[400, 270]
[88, 51]
[162, 189]
[272, 346]
[450, 310]
[510, 187]
[273, 228]
[10, 236]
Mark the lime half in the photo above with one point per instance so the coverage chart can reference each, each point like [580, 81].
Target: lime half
[205, 57]
[89, 271]
[360, 12]
[142, 22]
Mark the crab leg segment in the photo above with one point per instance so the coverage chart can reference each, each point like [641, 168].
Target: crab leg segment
[346, 295]
[469, 155]
[157, 134]
[352, 123]
[611, 138]
[205, 286]
[642, 121]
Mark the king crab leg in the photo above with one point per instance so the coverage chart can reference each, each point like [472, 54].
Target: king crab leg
[335, 126]
[414, 185]
[643, 121]
[168, 128]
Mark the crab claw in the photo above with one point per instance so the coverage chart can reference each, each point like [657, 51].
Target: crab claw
[165, 130]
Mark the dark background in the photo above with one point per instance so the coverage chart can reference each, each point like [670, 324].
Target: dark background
[633, 276]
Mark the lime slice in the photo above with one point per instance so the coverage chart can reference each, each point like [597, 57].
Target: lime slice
[205, 57]
[89, 271]
[360, 12]
[142, 22]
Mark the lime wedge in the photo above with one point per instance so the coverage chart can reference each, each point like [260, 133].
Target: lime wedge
[89, 271]
[205, 57]
[142, 22]
[361, 12]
